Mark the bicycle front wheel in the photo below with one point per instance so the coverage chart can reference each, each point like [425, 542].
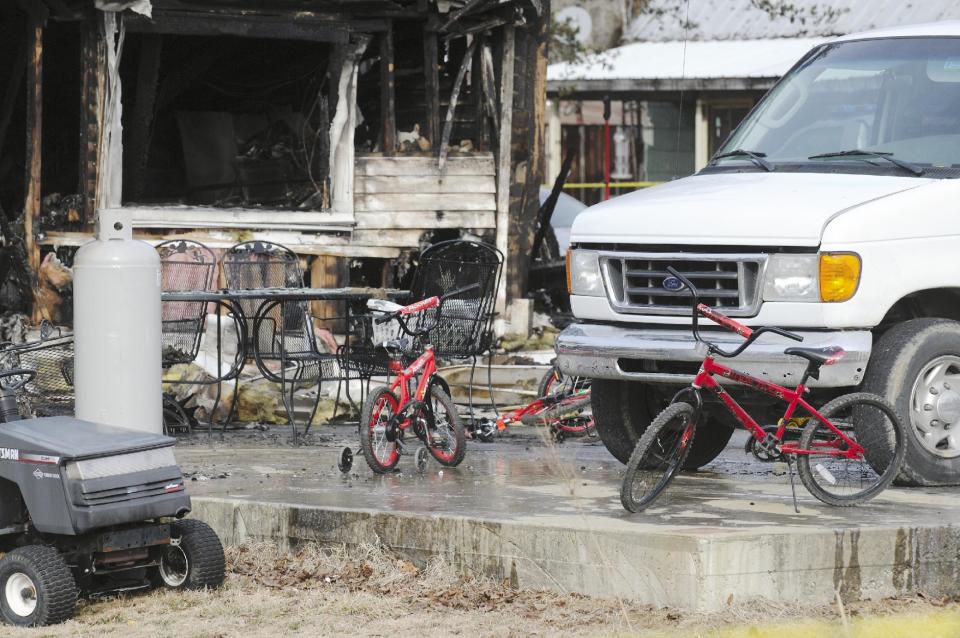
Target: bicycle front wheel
[828, 469]
[377, 440]
[447, 440]
[658, 456]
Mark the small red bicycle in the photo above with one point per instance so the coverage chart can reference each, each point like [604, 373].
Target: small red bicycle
[561, 401]
[850, 450]
[417, 400]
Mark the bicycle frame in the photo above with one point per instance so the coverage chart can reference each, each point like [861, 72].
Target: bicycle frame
[536, 406]
[425, 366]
[793, 398]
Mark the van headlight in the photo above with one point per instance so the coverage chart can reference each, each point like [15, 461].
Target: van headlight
[829, 277]
[583, 273]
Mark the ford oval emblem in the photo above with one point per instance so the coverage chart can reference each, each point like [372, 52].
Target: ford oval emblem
[672, 284]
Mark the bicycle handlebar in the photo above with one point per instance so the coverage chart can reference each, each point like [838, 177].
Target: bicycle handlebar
[719, 318]
[425, 304]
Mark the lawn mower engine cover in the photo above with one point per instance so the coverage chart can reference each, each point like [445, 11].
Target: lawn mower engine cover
[74, 476]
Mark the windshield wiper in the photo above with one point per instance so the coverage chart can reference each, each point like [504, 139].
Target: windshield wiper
[754, 156]
[884, 155]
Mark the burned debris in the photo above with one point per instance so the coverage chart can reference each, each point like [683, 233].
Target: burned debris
[352, 131]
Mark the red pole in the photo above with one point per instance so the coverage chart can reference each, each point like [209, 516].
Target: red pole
[606, 147]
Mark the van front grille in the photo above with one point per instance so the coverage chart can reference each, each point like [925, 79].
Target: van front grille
[730, 283]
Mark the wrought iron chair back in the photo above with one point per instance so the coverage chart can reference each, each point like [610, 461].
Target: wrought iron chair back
[185, 265]
[51, 391]
[280, 330]
[465, 326]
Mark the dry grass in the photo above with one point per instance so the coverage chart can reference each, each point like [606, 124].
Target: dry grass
[369, 592]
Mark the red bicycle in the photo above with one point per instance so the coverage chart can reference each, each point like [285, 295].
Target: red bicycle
[560, 405]
[416, 400]
[850, 450]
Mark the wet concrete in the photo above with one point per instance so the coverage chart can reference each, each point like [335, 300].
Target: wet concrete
[544, 515]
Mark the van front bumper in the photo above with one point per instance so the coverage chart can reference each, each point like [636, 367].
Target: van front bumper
[671, 356]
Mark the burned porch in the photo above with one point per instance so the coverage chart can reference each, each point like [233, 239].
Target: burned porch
[352, 131]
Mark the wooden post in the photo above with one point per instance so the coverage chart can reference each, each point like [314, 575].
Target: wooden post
[138, 147]
[31, 207]
[327, 271]
[528, 141]
[432, 88]
[388, 104]
[93, 78]
[504, 173]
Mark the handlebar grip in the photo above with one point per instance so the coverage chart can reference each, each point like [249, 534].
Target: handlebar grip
[784, 333]
[385, 318]
[459, 291]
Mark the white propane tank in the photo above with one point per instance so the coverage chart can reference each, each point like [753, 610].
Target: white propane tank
[116, 322]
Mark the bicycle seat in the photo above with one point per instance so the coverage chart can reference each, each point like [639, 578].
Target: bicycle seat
[820, 356]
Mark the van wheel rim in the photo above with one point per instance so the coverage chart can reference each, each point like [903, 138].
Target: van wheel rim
[21, 594]
[174, 567]
[935, 407]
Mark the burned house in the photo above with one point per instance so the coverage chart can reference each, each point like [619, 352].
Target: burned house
[351, 131]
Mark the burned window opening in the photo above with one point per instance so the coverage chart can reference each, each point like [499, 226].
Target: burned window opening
[227, 122]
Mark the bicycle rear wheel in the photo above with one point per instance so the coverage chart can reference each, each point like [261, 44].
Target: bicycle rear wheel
[447, 441]
[658, 457]
[379, 445]
[872, 423]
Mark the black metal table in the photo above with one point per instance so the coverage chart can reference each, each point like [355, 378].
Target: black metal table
[266, 300]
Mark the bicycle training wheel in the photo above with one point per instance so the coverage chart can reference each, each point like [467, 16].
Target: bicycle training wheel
[869, 421]
[447, 440]
[658, 456]
[379, 444]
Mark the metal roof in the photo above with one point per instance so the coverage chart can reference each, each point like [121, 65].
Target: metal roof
[768, 59]
[663, 20]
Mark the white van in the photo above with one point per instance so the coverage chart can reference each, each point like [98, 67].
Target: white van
[833, 211]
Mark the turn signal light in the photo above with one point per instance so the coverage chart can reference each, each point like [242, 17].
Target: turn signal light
[569, 277]
[839, 276]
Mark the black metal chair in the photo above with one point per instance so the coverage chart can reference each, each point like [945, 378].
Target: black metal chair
[465, 329]
[278, 331]
[50, 392]
[184, 265]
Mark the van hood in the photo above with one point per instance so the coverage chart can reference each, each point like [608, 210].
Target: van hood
[757, 209]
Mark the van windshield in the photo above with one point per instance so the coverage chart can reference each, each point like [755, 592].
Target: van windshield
[896, 97]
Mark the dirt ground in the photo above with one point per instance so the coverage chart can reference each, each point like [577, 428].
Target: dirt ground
[368, 592]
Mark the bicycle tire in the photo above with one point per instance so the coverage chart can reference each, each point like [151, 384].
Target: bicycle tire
[658, 456]
[455, 423]
[372, 416]
[565, 407]
[873, 423]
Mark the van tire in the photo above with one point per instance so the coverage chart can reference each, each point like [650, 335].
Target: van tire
[897, 360]
[622, 410]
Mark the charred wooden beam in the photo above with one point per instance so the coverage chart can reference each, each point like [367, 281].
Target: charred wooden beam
[432, 87]
[454, 97]
[388, 106]
[488, 99]
[282, 27]
[504, 164]
[467, 9]
[144, 108]
[93, 68]
[31, 206]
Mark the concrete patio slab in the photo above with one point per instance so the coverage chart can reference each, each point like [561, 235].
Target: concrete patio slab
[543, 515]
